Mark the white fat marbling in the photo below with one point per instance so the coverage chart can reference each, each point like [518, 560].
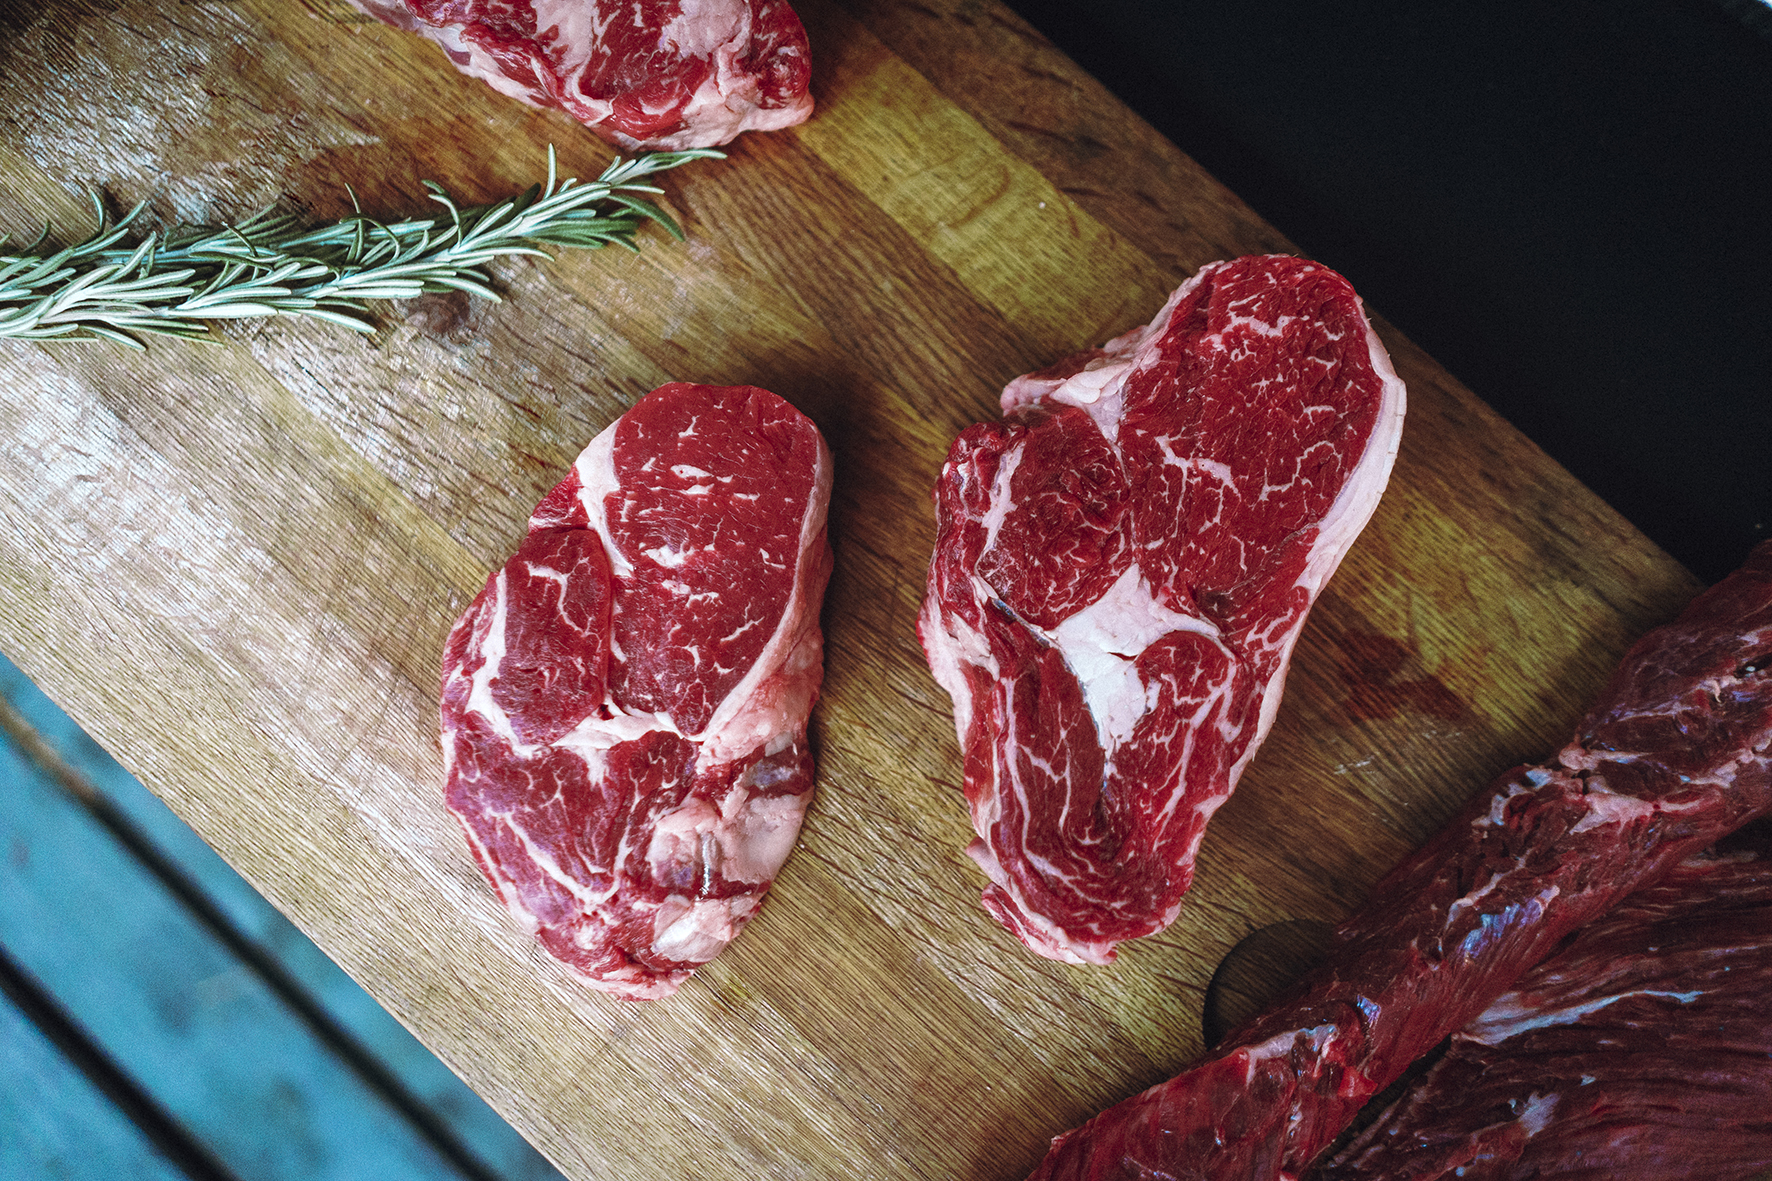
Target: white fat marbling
[1513, 1013]
[492, 655]
[702, 26]
[1102, 643]
[696, 932]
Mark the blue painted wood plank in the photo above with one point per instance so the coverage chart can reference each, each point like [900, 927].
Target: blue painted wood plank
[196, 1028]
[204, 1005]
[54, 1124]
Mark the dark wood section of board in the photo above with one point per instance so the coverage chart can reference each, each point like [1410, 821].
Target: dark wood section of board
[235, 564]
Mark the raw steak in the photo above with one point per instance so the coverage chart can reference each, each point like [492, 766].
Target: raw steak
[625, 704]
[1676, 754]
[1122, 566]
[1641, 1050]
[656, 74]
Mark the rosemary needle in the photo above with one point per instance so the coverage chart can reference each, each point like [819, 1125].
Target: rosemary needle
[171, 282]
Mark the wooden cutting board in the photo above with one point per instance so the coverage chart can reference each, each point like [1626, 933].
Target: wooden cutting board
[234, 564]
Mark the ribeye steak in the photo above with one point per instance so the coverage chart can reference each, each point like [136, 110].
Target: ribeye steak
[1122, 566]
[624, 705]
[654, 74]
[1676, 754]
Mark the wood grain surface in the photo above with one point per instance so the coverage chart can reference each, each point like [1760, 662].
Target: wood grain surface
[235, 563]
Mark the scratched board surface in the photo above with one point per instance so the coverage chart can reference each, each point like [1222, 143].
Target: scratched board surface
[235, 563]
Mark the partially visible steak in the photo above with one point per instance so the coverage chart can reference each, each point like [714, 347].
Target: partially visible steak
[1676, 754]
[624, 705]
[1122, 567]
[1643, 1049]
[656, 74]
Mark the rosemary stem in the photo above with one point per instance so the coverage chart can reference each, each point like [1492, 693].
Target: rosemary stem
[269, 265]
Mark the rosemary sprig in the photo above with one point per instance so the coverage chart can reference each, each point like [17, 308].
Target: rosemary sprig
[270, 265]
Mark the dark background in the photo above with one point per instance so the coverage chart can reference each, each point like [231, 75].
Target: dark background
[1567, 203]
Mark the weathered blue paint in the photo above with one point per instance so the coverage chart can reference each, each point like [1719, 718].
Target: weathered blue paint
[55, 1124]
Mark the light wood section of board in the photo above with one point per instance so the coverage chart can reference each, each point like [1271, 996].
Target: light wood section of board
[235, 563]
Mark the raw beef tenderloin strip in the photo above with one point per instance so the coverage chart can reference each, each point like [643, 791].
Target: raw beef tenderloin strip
[1676, 754]
[653, 74]
[625, 704]
[1643, 1049]
[1122, 566]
